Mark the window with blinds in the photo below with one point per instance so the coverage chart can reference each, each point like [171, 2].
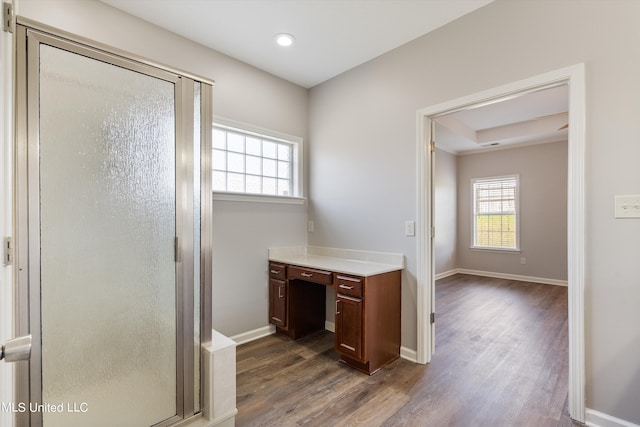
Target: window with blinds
[495, 213]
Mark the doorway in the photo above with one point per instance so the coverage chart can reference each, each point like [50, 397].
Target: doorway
[574, 78]
[112, 235]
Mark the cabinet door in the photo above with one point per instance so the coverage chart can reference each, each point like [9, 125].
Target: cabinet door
[278, 302]
[348, 326]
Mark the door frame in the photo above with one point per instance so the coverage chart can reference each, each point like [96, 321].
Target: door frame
[574, 77]
[6, 212]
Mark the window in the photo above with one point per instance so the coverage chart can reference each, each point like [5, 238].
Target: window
[254, 163]
[495, 213]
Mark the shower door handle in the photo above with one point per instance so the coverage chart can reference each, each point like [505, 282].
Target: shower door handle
[16, 349]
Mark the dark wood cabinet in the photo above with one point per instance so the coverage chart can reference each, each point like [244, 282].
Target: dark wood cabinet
[296, 299]
[278, 302]
[367, 321]
[278, 293]
[348, 326]
[277, 271]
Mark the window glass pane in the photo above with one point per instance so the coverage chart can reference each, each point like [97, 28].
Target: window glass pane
[283, 187]
[253, 184]
[219, 139]
[269, 149]
[254, 146]
[284, 152]
[235, 182]
[508, 206]
[269, 167]
[268, 186]
[219, 181]
[283, 170]
[253, 165]
[236, 162]
[219, 160]
[235, 142]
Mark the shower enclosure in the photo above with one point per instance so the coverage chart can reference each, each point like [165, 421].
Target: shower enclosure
[113, 229]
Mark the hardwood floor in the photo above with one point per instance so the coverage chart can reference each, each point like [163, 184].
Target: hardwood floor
[501, 360]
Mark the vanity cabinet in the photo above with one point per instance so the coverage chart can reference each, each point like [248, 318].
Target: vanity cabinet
[278, 302]
[278, 295]
[348, 318]
[367, 311]
[367, 322]
[348, 327]
[296, 299]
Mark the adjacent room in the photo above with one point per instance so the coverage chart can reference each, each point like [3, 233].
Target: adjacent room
[372, 212]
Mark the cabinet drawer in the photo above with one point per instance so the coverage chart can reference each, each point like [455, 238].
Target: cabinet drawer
[277, 271]
[310, 275]
[348, 285]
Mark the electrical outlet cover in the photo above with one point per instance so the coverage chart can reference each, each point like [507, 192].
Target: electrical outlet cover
[627, 206]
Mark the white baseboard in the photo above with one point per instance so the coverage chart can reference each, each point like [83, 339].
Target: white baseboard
[507, 276]
[598, 419]
[265, 331]
[329, 326]
[255, 334]
[409, 354]
[446, 274]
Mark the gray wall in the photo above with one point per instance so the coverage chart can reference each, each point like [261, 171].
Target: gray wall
[242, 231]
[543, 210]
[363, 153]
[445, 185]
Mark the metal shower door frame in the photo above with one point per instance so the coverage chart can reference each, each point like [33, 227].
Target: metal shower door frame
[28, 379]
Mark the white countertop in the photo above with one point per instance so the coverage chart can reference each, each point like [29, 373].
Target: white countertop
[358, 263]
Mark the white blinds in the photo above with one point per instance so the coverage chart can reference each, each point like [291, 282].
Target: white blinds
[495, 204]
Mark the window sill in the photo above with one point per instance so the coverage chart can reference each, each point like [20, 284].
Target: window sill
[499, 250]
[258, 198]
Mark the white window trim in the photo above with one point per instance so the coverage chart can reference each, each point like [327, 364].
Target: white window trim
[473, 246]
[257, 198]
[298, 160]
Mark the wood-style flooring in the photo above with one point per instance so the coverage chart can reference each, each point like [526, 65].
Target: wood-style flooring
[501, 360]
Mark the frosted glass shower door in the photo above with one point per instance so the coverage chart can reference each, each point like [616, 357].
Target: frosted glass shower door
[107, 221]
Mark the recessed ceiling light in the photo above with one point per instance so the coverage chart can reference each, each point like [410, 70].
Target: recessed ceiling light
[284, 39]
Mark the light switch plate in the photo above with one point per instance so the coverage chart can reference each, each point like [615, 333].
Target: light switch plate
[409, 228]
[627, 206]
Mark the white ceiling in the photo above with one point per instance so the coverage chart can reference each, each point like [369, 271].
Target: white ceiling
[536, 117]
[332, 36]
